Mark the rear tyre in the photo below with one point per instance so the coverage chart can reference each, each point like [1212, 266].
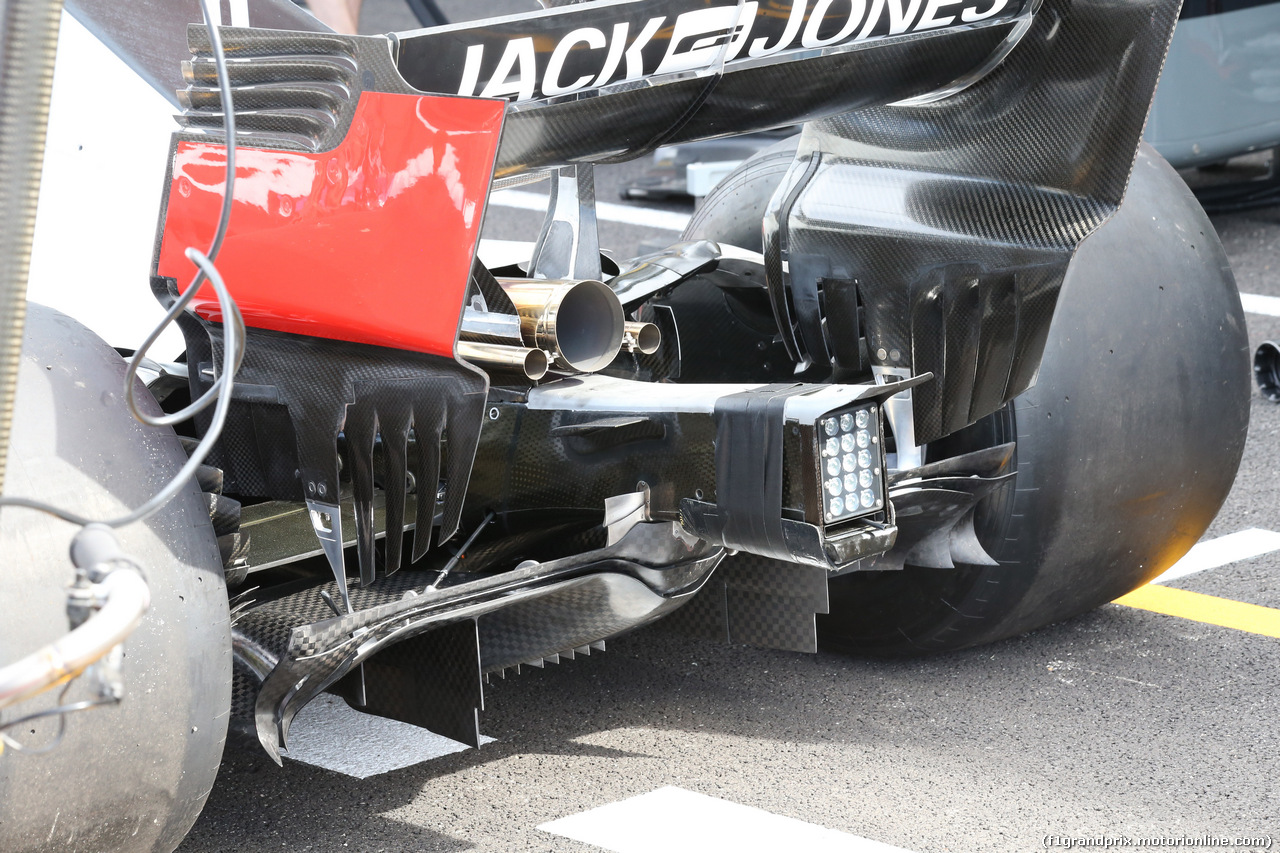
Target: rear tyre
[133, 776]
[1126, 446]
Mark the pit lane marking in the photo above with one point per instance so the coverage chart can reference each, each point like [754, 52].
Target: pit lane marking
[1208, 609]
[330, 734]
[1256, 303]
[674, 820]
[648, 217]
[1232, 548]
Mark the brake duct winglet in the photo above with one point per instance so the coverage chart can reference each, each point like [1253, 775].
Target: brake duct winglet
[935, 523]
[935, 505]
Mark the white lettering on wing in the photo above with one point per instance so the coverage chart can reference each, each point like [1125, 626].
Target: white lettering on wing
[520, 57]
[857, 8]
[589, 36]
[700, 39]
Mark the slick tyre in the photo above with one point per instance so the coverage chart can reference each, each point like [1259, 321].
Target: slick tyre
[1126, 446]
[131, 776]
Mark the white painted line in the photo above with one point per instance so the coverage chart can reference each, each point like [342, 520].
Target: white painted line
[662, 220]
[329, 733]
[673, 820]
[1256, 303]
[504, 253]
[1231, 548]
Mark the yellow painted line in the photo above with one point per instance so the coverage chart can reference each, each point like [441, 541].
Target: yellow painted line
[1208, 609]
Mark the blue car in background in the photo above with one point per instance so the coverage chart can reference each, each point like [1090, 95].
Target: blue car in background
[1219, 97]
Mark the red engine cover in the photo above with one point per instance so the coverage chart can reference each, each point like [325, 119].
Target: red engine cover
[371, 242]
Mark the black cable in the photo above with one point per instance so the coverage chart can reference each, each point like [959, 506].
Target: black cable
[60, 711]
[233, 331]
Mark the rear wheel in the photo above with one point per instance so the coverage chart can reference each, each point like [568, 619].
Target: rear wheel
[1126, 446]
[132, 776]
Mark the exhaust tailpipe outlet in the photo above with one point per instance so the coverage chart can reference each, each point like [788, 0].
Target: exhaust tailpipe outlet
[490, 327]
[510, 359]
[580, 322]
[1266, 370]
[645, 337]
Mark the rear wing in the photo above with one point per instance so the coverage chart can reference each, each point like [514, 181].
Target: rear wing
[613, 79]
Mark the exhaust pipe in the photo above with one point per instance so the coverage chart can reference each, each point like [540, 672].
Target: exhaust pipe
[490, 327]
[1266, 370]
[500, 357]
[580, 322]
[645, 337]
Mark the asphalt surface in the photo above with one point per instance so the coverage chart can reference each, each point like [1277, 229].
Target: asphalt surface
[1118, 721]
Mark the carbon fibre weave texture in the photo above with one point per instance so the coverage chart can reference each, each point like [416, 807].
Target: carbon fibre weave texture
[729, 334]
[955, 220]
[521, 465]
[301, 632]
[292, 90]
[299, 90]
[636, 122]
[432, 680]
[720, 92]
[268, 624]
[373, 396]
[301, 647]
[244, 693]
[425, 679]
[589, 610]
[757, 601]
[271, 621]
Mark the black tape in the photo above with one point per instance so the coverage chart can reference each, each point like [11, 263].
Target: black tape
[749, 437]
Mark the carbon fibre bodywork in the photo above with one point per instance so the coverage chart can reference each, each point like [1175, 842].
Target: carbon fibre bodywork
[759, 474]
[295, 648]
[992, 140]
[951, 222]
[955, 155]
[342, 166]
[368, 395]
[611, 81]
[695, 69]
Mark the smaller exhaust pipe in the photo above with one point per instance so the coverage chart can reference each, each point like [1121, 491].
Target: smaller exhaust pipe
[490, 327]
[580, 322]
[645, 337]
[531, 362]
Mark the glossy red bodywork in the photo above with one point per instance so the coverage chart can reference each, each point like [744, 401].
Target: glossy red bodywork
[371, 242]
